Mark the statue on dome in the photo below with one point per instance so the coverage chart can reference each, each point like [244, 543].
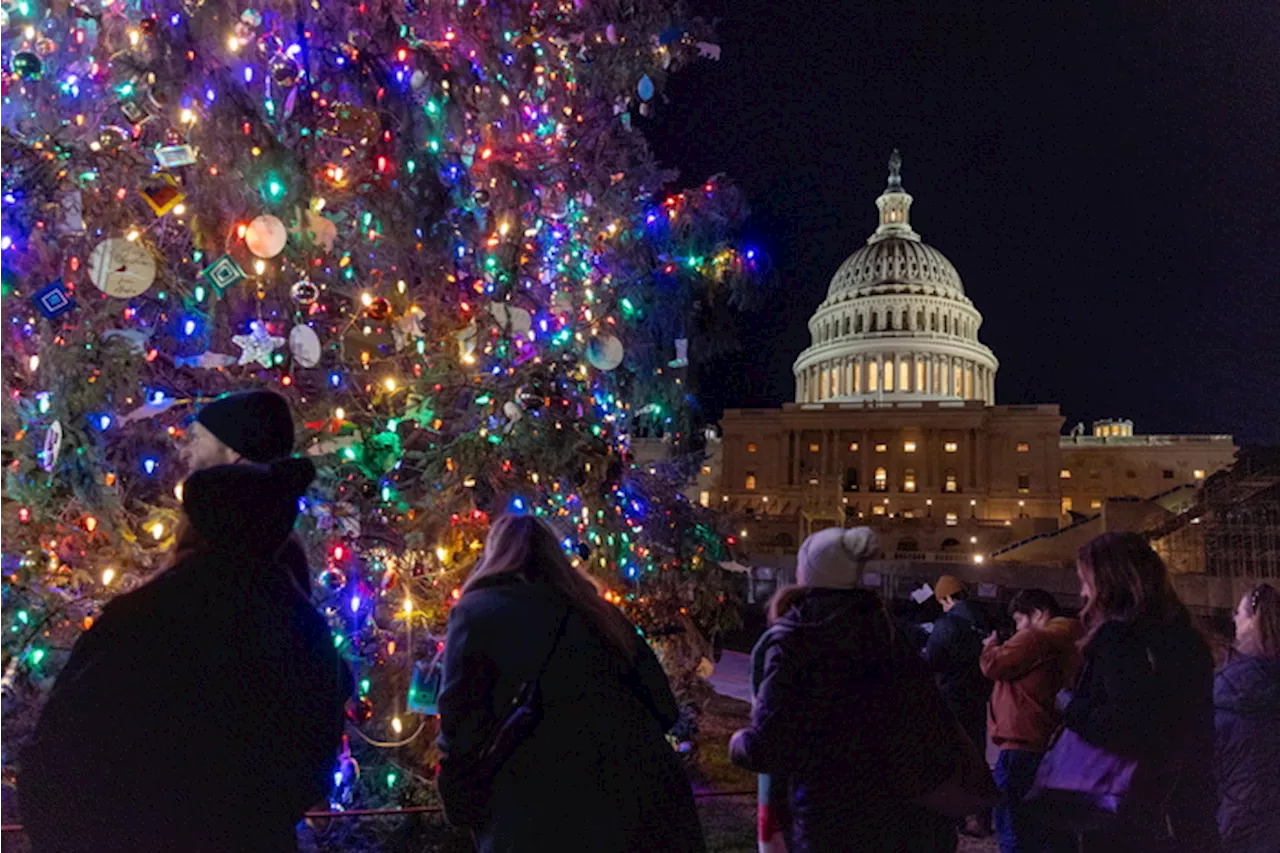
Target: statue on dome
[895, 170]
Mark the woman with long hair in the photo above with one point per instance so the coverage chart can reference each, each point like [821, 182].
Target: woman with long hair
[1145, 692]
[1246, 700]
[596, 773]
[202, 711]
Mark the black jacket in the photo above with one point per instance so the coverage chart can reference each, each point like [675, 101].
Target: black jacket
[952, 652]
[202, 712]
[1246, 700]
[848, 713]
[1146, 691]
[597, 775]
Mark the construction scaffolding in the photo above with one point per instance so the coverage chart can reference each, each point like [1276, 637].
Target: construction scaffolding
[1233, 529]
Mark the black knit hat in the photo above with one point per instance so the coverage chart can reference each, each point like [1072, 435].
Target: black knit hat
[255, 424]
[247, 508]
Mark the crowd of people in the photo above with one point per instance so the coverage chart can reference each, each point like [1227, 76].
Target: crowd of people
[867, 734]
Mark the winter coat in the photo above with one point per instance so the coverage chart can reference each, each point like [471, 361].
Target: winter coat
[597, 775]
[849, 715]
[952, 652]
[202, 712]
[1029, 670]
[1246, 701]
[1146, 691]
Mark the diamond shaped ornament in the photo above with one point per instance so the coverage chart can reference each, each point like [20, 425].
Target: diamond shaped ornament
[223, 273]
[53, 299]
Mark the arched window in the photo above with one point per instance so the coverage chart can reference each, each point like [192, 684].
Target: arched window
[933, 322]
[857, 324]
[881, 481]
[909, 480]
[951, 483]
[920, 320]
[847, 322]
[888, 321]
[875, 321]
[946, 323]
[906, 319]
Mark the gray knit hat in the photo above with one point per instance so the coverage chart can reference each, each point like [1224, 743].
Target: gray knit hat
[834, 558]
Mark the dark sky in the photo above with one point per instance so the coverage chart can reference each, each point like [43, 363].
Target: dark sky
[1104, 175]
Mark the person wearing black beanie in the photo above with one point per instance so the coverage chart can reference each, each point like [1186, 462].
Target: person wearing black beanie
[203, 711]
[251, 426]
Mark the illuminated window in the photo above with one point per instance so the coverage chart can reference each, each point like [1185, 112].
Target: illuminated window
[1198, 474]
[920, 365]
[751, 448]
[1024, 447]
[704, 498]
[1065, 473]
[853, 446]
[908, 447]
[878, 509]
[1095, 503]
[1067, 504]
[1024, 483]
[952, 519]
[908, 513]
[881, 480]
[909, 480]
[882, 448]
[751, 481]
[888, 368]
[951, 447]
[814, 448]
[950, 482]
[904, 369]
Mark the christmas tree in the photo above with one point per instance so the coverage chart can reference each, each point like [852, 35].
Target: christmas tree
[435, 228]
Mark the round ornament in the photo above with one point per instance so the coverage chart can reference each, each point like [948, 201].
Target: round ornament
[27, 65]
[359, 38]
[285, 71]
[360, 711]
[481, 197]
[266, 236]
[605, 352]
[645, 88]
[304, 292]
[512, 410]
[518, 320]
[419, 79]
[379, 309]
[333, 579]
[112, 138]
[121, 268]
[304, 343]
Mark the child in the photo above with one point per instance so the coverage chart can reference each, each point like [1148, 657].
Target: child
[772, 812]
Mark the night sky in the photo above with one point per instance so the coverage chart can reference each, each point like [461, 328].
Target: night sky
[1105, 176]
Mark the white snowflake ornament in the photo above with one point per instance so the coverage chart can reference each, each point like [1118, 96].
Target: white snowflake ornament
[258, 345]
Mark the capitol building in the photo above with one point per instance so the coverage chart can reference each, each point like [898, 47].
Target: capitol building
[896, 423]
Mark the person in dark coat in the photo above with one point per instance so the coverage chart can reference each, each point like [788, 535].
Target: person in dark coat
[1246, 702]
[847, 713]
[952, 653]
[1145, 691]
[597, 774]
[202, 711]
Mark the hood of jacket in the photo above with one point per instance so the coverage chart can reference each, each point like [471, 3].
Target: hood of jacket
[845, 622]
[1249, 685]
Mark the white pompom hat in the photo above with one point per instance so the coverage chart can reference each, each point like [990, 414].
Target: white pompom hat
[834, 558]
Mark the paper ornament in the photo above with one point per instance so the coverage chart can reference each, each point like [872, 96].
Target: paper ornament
[134, 339]
[682, 354]
[605, 352]
[52, 446]
[304, 344]
[259, 345]
[71, 207]
[408, 327]
[266, 236]
[512, 318]
[223, 273]
[175, 156]
[157, 405]
[53, 299]
[205, 360]
[121, 268]
[163, 195]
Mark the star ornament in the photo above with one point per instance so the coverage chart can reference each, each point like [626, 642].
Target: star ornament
[258, 345]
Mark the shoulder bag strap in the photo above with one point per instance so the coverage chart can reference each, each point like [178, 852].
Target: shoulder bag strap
[555, 644]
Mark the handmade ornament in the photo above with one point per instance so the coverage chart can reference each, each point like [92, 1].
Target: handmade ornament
[604, 352]
[52, 446]
[175, 156]
[121, 268]
[223, 273]
[71, 212]
[135, 339]
[517, 321]
[157, 405]
[408, 327]
[26, 65]
[332, 580]
[682, 354]
[259, 345]
[265, 236]
[112, 138]
[162, 195]
[205, 360]
[53, 299]
[304, 344]
[304, 292]
[512, 410]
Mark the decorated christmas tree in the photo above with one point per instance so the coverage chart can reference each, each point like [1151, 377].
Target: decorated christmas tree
[436, 229]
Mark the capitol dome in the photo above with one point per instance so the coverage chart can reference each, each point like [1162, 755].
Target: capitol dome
[896, 324]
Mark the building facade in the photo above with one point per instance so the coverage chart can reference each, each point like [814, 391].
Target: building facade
[895, 424]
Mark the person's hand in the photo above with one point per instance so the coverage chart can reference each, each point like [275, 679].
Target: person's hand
[992, 639]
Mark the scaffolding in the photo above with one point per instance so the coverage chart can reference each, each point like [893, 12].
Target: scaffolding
[1233, 529]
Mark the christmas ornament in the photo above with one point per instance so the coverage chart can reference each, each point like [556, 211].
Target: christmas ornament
[512, 410]
[71, 212]
[46, 47]
[269, 44]
[162, 195]
[481, 197]
[358, 38]
[149, 25]
[52, 446]
[135, 339]
[360, 711]
[285, 70]
[304, 292]
[266, 236]
[378, 309]
[157, 405]
[419, 79]
[175, 156]
[682, 354]
[27, 66]
[121, 268]
[321, 230]
[223, 273]
[531, 398]
[112, 138]
[645, 88]
[53, 299]
[604, 352]
[332, 579]
[467, 341]
[304, 344]
[205, 360]
[259, 345]
[513, 319]
[408, 327]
